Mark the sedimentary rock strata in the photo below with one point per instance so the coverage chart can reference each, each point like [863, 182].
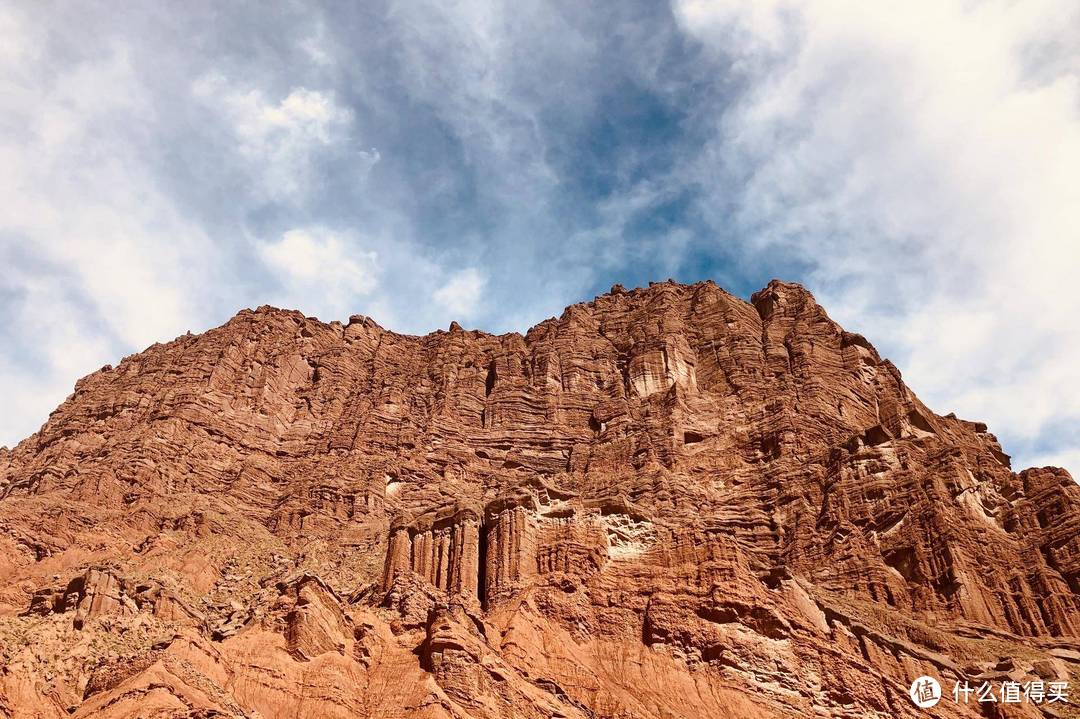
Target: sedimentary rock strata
[667, 502]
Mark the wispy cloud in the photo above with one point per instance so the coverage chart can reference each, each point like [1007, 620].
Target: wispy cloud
[922, 160]
[461, 295]
[94, 254]
[281, 139]
[321, 271]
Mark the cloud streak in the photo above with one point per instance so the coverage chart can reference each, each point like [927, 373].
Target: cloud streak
[321, 271]
[281, 141]
[923, 163]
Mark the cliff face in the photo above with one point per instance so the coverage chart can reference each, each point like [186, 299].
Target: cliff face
[668, 502]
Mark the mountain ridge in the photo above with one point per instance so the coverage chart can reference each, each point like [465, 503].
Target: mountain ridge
[668, 501]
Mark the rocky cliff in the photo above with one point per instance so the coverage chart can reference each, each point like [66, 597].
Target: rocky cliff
[668, 502]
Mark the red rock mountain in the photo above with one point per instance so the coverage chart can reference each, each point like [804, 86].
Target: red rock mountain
[667, 503]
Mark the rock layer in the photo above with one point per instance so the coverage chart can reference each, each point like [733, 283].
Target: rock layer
[667, 502]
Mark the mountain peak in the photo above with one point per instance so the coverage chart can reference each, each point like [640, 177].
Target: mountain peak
[666, 481]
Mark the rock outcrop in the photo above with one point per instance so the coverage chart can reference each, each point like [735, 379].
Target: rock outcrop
[667, 502]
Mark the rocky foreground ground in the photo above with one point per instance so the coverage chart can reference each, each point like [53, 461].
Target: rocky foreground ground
[667, 503]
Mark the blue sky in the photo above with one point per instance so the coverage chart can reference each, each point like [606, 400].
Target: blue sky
[421, 162]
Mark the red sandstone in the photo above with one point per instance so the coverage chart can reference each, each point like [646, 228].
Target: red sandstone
[668, 502]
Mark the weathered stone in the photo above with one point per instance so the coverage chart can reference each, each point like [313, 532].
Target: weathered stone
[667, 502]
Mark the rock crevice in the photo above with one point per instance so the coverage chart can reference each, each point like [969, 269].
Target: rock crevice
[666, 502]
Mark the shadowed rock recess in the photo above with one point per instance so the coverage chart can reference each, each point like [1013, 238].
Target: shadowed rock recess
[666, 503]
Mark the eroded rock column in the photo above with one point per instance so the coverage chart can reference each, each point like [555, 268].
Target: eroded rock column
[511, 549]
[441, 547]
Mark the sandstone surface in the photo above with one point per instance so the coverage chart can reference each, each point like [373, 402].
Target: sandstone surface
[666, 503]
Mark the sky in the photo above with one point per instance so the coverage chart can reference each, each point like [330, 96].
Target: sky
[916, 165]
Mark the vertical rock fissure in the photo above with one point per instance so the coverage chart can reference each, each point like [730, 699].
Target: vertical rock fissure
[481, 570]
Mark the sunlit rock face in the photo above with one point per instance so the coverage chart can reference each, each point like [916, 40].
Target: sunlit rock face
[668, 502]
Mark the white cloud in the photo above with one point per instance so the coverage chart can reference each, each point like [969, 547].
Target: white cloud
[462, 60]
[321, 271]
[461, 295]
[925, 159]
[315, 44]
[78, 201]
[282, 140]
[1069, 458]
[98, 262]
[62, 339]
